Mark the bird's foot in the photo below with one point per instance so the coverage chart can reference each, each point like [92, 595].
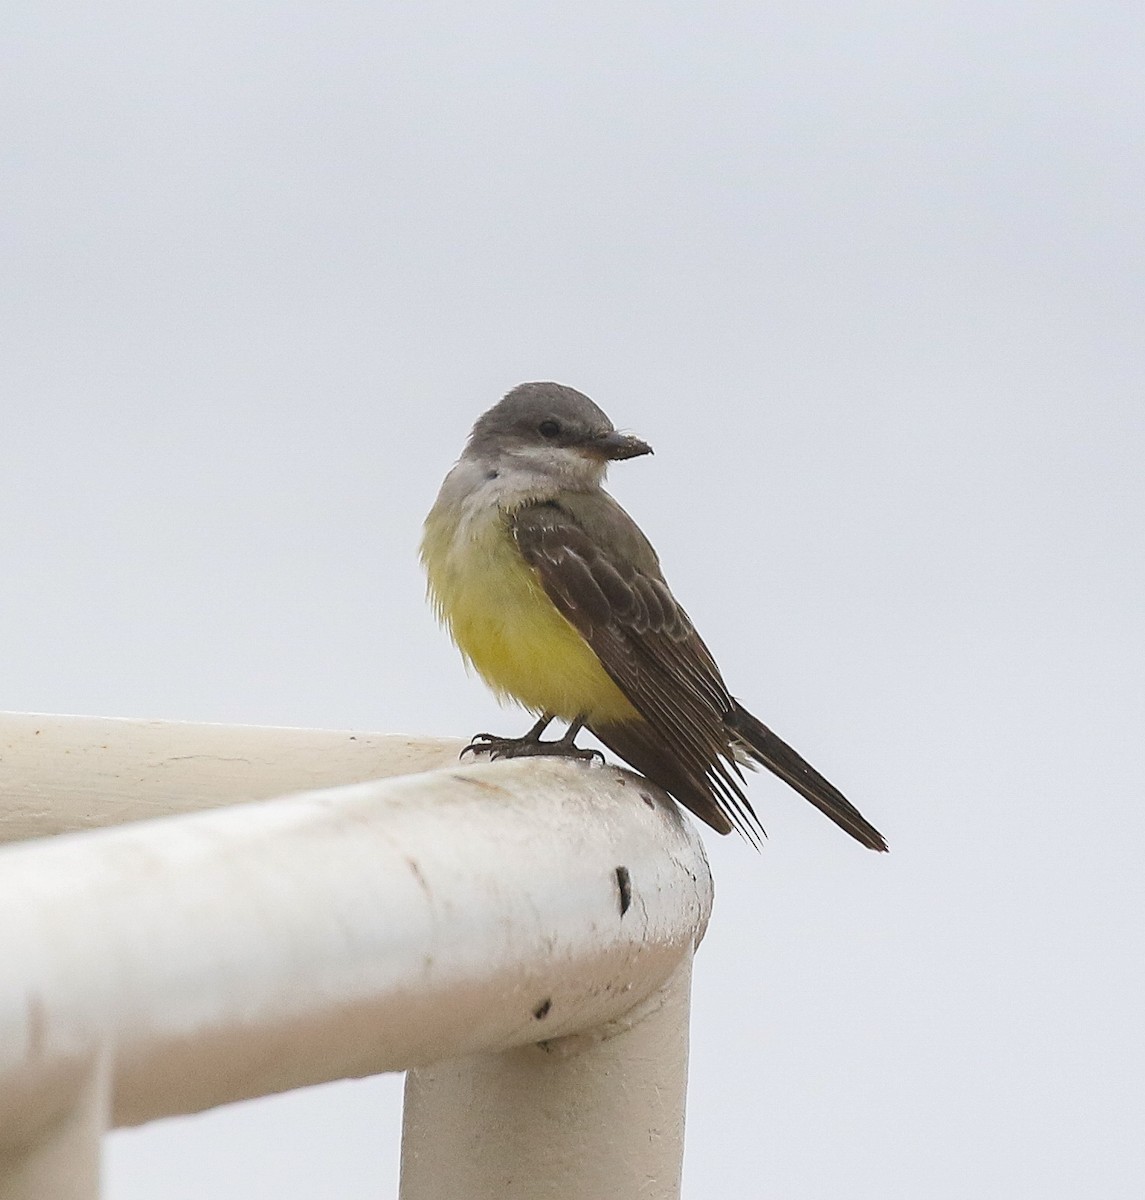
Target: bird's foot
[528, 747]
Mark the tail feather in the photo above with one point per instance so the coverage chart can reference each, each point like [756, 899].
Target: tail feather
[779, 758]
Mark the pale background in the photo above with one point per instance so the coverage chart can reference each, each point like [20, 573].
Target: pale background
[868, 277]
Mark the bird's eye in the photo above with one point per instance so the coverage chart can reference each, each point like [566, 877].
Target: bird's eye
[549, 428]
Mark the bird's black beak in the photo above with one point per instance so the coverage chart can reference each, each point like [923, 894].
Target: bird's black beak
[615, 446]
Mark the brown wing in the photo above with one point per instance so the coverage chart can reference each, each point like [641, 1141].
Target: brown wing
[608, 585]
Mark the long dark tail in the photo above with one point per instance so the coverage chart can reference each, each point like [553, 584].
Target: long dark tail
[777, 756]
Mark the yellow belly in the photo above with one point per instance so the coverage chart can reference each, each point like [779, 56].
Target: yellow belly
[493, 604]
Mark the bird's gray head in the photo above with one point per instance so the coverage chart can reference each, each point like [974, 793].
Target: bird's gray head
[553, 430]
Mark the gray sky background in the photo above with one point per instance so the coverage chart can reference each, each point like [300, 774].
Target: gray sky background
[868, 277]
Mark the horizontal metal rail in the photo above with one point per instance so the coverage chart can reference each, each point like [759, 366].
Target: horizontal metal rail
[517, 935]
[60, 774]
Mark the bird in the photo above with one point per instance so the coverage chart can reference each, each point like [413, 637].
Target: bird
[557, 599]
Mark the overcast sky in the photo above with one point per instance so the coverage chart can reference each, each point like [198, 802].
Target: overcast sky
[870, 280]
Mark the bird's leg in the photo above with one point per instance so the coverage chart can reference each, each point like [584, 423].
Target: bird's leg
[567, 747]
[502, 747]
[531, 745]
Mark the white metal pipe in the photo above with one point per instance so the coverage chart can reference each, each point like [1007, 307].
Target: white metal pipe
[60, 773]
[59, 1159]
[582, 1118]
[242, 951]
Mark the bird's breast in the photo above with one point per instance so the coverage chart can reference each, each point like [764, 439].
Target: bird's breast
[505, 625]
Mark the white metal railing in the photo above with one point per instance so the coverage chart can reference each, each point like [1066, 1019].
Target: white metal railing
[442, 923]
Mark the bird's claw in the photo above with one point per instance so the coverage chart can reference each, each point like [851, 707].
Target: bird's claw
[485, 743]
[525, 747]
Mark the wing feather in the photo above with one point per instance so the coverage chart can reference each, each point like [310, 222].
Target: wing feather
[650, 649]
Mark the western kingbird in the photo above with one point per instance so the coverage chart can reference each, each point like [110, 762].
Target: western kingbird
[556, 598]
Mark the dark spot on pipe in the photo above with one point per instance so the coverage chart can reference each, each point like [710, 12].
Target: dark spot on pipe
[542, 1009]
[647, 799]
[624, 884]
[417, 874]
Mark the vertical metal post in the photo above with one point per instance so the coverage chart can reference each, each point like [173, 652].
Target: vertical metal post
[61, 1160]
[593, 1115]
